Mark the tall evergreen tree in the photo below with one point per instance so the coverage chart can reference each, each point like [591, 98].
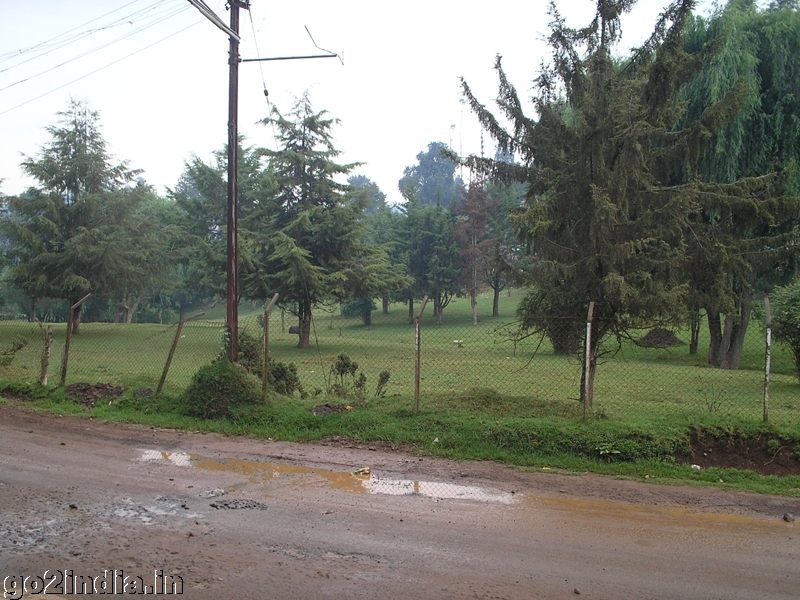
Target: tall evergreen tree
[65, 235]
[308, 239]
[433, 179]
[602, 216]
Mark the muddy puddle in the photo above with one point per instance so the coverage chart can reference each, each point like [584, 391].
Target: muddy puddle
[361, 481]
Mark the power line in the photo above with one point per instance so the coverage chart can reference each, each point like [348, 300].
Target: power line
[56, 43]
[101, 68]
[160, 19]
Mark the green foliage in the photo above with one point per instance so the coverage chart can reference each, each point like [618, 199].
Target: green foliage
[65, 234]
[251, 352]
[284, 379]
[308, 238]
[7, 353]
[357, 308]
[432, 181]
[217, 387]
[786, 318]
[383, 381]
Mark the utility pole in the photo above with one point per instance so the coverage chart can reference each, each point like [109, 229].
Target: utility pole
[232, 287]
[232, 290]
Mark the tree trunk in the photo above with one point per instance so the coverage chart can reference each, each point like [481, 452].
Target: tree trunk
[438, 310]
[76, 320]
[733, 357]
[410, 311]
[367, 317]
[474, 301]
[385, 301]
[496, 298]
[304, 321]
[725, 342]
[715, 334]
[694, 325]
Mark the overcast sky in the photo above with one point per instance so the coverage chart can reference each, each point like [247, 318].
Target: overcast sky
[397, 91]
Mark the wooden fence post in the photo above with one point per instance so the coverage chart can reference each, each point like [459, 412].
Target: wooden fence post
[48, 343]
[588, 379]
[418, 348]
[265, 366]
[65, 359]
[172, 350]
[768, 361]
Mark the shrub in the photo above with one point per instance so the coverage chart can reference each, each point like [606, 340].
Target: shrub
[786, 318]
[217, 387]
[284, 379]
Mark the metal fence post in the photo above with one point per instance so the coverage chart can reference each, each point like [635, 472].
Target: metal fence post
[417, 362]
[768, 361]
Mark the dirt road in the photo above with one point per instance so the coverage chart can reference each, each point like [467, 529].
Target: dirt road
[237, 518]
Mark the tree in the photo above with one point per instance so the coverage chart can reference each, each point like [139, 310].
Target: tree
[433, 259]
[376, 198]
[202, 197]
[602, 218]
[742, 245]
[472, 233]
[786, 318]
[432, 180]
[65, 234]
[308, 239]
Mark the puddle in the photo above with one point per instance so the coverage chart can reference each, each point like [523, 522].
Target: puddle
[296, 475]
[181, 459]
[435, 489]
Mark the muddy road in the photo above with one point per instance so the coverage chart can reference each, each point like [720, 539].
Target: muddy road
[237, 518]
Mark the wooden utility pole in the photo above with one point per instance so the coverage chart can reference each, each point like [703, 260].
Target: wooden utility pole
[232, 288]
[232, 291]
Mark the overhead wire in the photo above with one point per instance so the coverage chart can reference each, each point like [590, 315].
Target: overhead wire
[9, 55]
[103, 67]
[159, 19]
[263, 80]
[125, 20]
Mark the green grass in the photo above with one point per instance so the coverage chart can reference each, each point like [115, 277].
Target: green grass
[479, 426]
[483, 397]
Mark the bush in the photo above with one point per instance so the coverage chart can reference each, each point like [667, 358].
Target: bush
[217, 387]
[786, 318]
[283, 378]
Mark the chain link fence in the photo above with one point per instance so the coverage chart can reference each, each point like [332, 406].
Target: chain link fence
[650, 375]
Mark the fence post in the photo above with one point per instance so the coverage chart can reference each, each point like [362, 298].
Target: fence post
[65, 360]
[265, 366]
[588, 391]
[768, 361]
[48, 342]
[418, 348]
[172, 350]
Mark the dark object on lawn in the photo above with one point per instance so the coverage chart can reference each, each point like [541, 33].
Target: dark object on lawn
[294, 329]
[659, 338]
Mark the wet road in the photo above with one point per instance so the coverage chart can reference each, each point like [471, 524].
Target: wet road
[231, 517]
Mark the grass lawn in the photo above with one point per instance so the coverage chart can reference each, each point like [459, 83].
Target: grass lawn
[481, 397]
[632, 384]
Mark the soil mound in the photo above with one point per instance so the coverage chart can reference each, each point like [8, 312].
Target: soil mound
[659, 338]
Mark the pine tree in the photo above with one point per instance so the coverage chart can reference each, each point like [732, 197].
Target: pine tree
[308, 239]
[603, 219]
[65, 235]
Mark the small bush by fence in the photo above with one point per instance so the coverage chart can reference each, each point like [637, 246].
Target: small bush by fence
[652, 375]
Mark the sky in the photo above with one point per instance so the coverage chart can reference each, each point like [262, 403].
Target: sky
[157, 72]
